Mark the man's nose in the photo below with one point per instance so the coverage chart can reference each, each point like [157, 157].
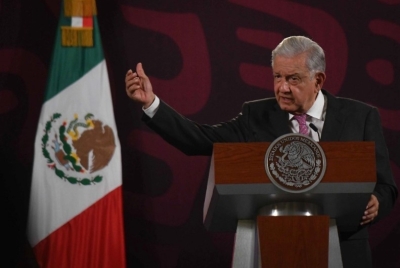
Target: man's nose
[285, 86]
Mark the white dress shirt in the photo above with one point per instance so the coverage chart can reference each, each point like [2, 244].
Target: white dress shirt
[316, 116]
[152, 109]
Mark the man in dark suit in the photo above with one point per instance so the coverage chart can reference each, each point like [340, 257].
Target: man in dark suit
[298, 65]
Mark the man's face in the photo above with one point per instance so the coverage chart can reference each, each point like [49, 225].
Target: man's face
[294, 89]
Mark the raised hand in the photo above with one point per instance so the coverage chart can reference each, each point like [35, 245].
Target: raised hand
[138, 86]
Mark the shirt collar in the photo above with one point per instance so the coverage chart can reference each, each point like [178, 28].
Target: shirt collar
[316, 109]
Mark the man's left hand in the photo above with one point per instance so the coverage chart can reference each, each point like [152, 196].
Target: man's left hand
[371, 210]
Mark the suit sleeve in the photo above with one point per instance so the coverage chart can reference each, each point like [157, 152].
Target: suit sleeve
[193, 138]
[385, 188]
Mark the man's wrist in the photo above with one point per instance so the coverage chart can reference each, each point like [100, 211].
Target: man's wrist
[152, 109]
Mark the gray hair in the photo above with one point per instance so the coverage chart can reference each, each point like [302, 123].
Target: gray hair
[294, 45]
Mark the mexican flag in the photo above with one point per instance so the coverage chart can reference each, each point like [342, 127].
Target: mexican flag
[75, 212]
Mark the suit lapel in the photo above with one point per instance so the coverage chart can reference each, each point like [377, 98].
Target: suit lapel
[279, 121]
[333, 119]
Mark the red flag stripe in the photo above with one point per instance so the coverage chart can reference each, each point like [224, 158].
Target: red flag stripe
[87, 22]
[79, 244]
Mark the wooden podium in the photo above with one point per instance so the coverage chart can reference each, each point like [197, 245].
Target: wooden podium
[239, 189]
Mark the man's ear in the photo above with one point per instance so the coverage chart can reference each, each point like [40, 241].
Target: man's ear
[320, 78]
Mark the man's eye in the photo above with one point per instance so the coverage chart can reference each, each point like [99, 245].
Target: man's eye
[293, 80]
[277, 76]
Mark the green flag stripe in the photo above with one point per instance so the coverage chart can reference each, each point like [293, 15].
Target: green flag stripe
[71, 63]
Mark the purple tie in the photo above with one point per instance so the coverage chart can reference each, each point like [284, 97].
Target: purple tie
[303, 128]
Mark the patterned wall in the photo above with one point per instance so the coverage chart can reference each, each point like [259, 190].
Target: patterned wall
[204, 58]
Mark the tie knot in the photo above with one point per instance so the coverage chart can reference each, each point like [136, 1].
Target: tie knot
[301, 118]
[303, 128]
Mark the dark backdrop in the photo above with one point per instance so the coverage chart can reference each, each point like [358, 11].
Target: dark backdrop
[205, 58]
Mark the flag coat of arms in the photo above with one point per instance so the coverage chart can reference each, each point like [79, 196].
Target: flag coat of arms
[75, 211]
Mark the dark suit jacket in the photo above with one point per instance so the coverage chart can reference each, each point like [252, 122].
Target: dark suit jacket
[264, 121]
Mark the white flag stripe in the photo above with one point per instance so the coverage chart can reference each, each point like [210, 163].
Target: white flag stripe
[77, 21]
[90, 94]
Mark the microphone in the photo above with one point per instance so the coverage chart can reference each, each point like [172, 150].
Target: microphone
[313, 127]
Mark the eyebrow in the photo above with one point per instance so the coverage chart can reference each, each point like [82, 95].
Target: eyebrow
[293, 74]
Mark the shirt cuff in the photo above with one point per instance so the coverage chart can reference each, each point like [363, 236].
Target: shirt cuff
[152, 109]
